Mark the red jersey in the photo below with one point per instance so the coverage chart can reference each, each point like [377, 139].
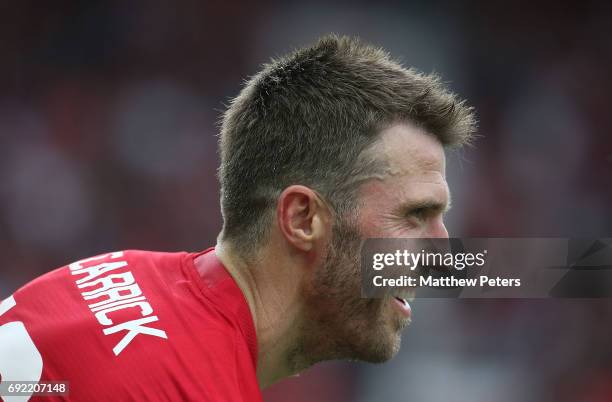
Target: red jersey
[133, 325]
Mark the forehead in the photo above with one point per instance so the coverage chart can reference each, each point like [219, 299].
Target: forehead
[407, 149]
[413, 171]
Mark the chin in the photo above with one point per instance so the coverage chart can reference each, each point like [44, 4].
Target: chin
[380, 348]
[380, 354]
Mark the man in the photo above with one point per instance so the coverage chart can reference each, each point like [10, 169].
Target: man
[323, 148]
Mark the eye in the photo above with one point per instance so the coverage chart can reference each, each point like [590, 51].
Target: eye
[420, 213]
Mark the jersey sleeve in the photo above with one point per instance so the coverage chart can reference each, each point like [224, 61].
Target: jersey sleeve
[123, 326]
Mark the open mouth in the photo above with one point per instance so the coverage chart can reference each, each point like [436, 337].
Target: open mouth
[403, 306]
[401, 300]
[406, 295]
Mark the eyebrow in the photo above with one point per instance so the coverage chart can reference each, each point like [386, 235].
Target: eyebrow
[428, 204]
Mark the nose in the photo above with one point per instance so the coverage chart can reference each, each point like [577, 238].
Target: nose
[437, 230]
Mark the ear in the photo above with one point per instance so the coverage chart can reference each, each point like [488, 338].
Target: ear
[302, 217]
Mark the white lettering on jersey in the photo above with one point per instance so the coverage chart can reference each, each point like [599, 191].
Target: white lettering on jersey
[111, 291]
[145, 310]
[134, 328]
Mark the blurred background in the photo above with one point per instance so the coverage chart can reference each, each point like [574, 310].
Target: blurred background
[108, 123]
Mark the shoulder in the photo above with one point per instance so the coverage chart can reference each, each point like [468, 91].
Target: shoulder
[126, 317]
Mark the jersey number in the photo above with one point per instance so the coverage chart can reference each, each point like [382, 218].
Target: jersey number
[19, 358]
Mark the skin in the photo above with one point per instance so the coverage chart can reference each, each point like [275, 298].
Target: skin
[303, 288]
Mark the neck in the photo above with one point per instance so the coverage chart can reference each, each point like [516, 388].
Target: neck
[272, 293]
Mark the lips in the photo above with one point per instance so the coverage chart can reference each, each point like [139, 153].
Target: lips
[402, 300]
[406, 295]
[403, 306]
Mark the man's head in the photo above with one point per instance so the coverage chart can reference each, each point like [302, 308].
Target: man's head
[323, 148]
